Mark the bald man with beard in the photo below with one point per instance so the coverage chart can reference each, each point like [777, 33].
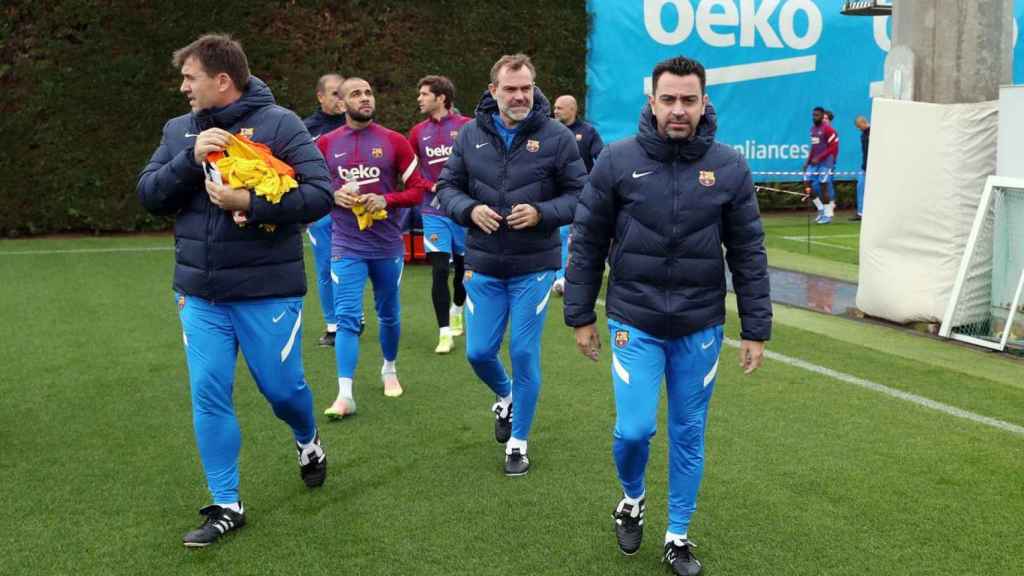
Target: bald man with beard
[590, 145]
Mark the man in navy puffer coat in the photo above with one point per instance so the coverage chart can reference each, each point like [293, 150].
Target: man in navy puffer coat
[512, 180]
[659, 207]
[237, 286]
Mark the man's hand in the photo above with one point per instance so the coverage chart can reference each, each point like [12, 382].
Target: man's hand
[485, 218]
[347, 195]
[588, 342]
[751, 355]
[228, 198]
[212, 140]
[373, 202]
[523, 216]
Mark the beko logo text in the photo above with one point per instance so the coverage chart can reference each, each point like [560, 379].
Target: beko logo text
[717, 21]
[359, 172]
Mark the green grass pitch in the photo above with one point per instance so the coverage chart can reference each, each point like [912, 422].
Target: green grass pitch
[805, 474]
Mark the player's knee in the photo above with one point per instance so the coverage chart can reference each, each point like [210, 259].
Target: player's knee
[350, 322]
[479, 354]
[522, 352]
[634, 432]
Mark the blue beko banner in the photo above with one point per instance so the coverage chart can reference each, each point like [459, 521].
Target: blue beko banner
[769, 63]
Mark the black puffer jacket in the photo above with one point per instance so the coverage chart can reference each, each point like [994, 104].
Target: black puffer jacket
[542, 168]
[665, 209]
[215, 258]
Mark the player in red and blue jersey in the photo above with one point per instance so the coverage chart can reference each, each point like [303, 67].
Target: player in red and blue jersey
[443, 240]
[820, 163]
[367, 163]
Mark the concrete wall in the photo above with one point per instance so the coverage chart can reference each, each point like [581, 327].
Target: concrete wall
[963, 49]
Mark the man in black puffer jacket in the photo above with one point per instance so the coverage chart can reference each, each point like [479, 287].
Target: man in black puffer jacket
[663, 204]
[512, 180]
[237, 286]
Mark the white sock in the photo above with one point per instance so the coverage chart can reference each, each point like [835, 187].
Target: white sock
[505, 401]
[446, 331]
[818, 205]
[455, 310]
[672, 537]
[830, 209]
[633, 501]
[389, 367]
[332, 328]
[345, 387]
[309, 444]
[234, 506]
[515, 443]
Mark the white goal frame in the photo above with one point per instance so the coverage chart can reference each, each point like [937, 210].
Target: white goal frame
[946, 329]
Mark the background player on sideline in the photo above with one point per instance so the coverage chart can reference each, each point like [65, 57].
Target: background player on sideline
[367, 163]
[820, 163]
[443, 239]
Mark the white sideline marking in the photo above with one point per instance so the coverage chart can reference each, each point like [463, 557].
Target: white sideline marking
[820, 243]
[85, 251]
[881, 388]
[93, 250]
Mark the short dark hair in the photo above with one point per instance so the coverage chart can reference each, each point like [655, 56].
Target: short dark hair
[513, 62]
[830, 115]
[439, 86]
[819, 109]
[321, 84]
[678, 66]
[216, 53]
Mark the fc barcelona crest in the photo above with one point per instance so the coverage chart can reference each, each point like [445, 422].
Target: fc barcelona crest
[579, 137]
[621, 338]
[181, 303]
[532, 145]
[706, 178]
[468, 276]
[454, 134]
[247, 132]
[433, 237]
[378, 152]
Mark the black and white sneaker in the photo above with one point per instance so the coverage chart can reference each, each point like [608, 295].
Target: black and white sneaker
[312, 463]
[502, 422]
[219, 521]
[629, 525]
[516, 463]
[679, 556]
[327, 340]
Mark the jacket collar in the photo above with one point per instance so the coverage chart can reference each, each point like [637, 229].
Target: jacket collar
[538, 114]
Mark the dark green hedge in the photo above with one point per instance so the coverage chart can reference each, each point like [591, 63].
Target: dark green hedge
[87, 86]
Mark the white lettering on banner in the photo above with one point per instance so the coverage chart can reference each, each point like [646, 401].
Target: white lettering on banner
[706, 19]
[751, 21]
[359, 172]
[757, 21]
[754, 71]
[754, 151]
[787, 18]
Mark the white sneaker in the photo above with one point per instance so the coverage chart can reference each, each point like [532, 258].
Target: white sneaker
[342, 407]
[558, 287]
[392, 388]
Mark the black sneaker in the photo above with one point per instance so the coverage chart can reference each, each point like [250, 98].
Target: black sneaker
[679, 556]
[516, 463]
[502, 423]
[629, 525]
[327, 340]
[219, 521]
[312, 463]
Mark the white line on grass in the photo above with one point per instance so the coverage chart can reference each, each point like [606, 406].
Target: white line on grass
[881, 388]
[803, 239]
[91, 250]
[85, 251]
